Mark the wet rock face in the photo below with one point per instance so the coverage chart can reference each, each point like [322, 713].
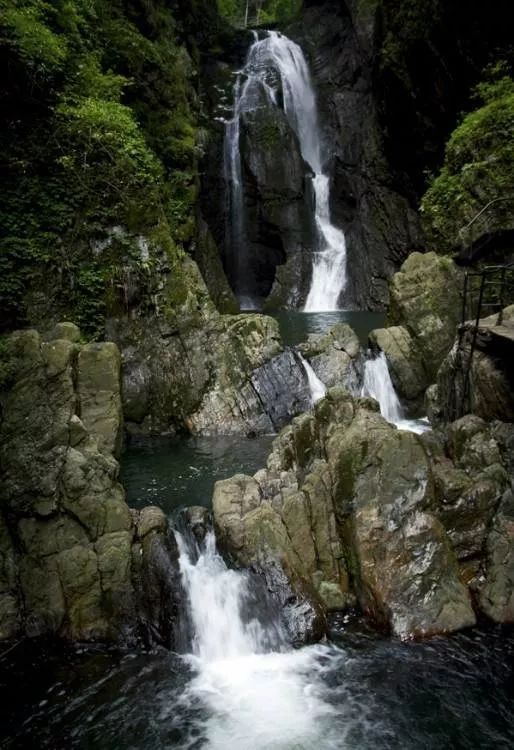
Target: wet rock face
[67, 537]
[279, 231]
[380, 225]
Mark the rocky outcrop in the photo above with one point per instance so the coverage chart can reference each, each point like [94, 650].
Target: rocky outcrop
[70, 550]
[336, 357]
[477, 376]
[423, 316]
[351, 509]
[415, 529]
[191, 369]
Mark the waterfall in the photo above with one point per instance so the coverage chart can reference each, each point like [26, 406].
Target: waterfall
[378, 385]
[255, 691]
[276, 68]
[316, 386]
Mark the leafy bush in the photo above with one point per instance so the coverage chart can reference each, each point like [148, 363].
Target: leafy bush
[97, 130]
[478, 169]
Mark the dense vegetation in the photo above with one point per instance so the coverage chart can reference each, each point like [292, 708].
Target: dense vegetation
[243, 12]
[478, 169]
[98, 149]
[431, 56]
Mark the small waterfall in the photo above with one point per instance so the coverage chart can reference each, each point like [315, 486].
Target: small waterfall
[216, 598]
[378, 385]
[316, 386]
[255, 691]
[276, 68]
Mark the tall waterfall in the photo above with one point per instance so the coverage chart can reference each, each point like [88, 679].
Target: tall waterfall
[378, 385]
[277, 66]
[256, 692]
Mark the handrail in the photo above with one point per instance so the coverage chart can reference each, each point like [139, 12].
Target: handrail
[482, 210]
[488, 278]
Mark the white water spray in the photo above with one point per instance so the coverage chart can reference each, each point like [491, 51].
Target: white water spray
[254, 695]
[378, 385]
[276, 68]
[316, 386]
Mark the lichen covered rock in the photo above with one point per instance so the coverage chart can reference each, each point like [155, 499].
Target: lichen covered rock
[67, 537]
[346, 508]
[425, 299]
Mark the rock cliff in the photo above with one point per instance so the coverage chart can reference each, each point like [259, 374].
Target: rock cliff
[74, 560]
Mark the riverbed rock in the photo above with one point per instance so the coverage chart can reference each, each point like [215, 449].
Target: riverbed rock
[470, 481]
[398, 548]
[345, 507]
[496, 593]
[66, 533]
[336, 357]
[405, 365]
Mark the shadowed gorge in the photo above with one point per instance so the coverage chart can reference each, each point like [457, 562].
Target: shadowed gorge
[256, 381]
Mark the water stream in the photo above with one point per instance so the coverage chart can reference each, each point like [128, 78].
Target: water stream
[316, 386]
[378, 385]
[276, 68]
[256, 690]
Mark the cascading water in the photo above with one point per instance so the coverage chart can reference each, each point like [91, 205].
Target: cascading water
[254, 690]
[378, 385]
[316, 386]
[276, 68]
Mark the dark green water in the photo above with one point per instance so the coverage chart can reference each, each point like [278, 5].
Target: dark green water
[174, 472]
[296, 326]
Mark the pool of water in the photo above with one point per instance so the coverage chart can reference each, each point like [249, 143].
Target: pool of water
[295, 326]
[451, 694]
[175, 472]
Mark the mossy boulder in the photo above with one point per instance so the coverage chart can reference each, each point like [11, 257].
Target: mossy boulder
[426, 300]
[405, 364]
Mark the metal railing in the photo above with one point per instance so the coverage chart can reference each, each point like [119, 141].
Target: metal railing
[493, 291]
[479, 230]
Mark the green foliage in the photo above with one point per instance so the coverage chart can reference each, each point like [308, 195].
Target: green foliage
[478, 169]
[97, 131]
[23, 27]
[260, 12]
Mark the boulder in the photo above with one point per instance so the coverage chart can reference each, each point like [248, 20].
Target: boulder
[405, 365]
[426, 300]
[346, 510]
[335, 357]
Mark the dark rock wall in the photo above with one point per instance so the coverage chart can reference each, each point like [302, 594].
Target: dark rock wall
[380, 224]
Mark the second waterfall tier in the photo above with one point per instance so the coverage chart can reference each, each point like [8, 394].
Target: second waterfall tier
[281, 242]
